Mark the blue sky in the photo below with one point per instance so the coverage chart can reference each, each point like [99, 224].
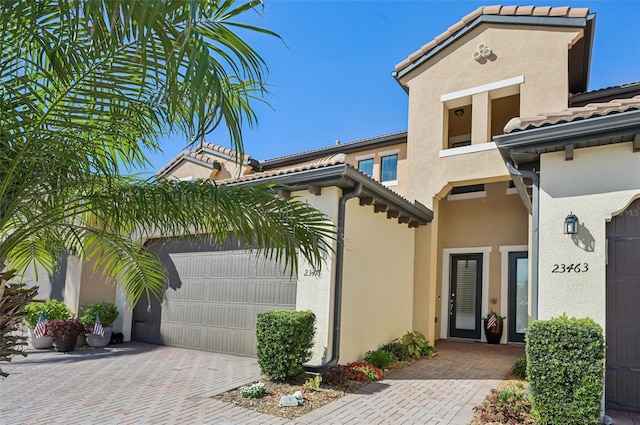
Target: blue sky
[332, 81]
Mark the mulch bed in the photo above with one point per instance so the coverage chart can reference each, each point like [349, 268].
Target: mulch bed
[269, 403]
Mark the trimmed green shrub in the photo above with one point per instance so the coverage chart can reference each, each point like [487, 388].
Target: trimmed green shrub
[108, 313]
[52, 309]
[519, 369]
[565, 366]
[379, 358]
[399, 350]
[285, 339]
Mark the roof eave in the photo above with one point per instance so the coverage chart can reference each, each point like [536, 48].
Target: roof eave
[346, 177]
[373, 142]
[178, 160]
[573, 132]
[557, 21]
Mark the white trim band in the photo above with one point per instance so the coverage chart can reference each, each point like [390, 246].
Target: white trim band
[483, 88]
[462, 150]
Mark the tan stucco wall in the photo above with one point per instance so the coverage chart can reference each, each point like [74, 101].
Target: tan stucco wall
[400, 188]
[497, 220]
[94, 287]
[539, 54]
[377, 290]
[315, 293]
[599, 183]
[424, 283]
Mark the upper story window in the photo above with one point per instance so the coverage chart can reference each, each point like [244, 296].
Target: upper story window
[474, 116]
[389, 169]
[459, 128]
[366, 166]
[502, 110]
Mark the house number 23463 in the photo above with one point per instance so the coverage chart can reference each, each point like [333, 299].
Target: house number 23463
[568, 268]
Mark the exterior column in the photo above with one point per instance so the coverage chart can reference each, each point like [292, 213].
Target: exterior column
[72, 283]
[481, 118]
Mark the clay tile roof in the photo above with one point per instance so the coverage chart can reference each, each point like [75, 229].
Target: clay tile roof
[314, 164]
[198, 155]
[492, 10]
[223, 150]
[591, 110]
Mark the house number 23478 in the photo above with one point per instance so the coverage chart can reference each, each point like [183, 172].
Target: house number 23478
[568, 268]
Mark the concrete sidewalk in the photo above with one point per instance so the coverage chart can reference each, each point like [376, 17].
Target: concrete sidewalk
[136, 383]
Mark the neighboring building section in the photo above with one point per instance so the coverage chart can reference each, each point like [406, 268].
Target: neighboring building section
[589, 168]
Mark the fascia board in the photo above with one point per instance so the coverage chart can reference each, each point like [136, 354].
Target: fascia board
[563, 134]
[346, 177]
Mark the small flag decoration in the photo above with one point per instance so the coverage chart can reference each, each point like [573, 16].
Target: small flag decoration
[492, 321]
[41, 326]
[97, 327]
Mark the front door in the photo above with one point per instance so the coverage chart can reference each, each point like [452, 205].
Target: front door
[518, 312]
[465, 301]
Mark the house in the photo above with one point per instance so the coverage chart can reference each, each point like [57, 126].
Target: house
[514, 189]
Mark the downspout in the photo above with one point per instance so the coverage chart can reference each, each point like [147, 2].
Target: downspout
[535, 234]
[337, 290]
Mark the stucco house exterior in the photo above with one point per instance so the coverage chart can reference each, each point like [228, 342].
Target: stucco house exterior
[462, 214]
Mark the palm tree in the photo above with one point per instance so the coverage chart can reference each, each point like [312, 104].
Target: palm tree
[88, 87]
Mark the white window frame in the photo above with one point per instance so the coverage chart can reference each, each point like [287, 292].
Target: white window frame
[383, 154]
[366, 158]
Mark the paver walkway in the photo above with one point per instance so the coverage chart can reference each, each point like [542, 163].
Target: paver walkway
[440, 390]
[137, 383]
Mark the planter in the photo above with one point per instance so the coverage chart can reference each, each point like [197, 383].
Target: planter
[494, 334]
[98, 341]
[40, 343]
[64, 345]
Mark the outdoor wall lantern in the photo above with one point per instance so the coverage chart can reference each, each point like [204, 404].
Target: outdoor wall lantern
[571, 224]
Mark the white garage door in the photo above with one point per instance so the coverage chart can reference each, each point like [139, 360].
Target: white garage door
[213, 298]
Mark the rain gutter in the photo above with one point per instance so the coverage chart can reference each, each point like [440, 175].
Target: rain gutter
[337, 291]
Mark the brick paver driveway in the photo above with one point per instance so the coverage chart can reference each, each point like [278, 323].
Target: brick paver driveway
[137, 383]
[131, 383]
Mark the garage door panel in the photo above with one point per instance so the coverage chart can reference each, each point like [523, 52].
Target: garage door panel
[214, 298]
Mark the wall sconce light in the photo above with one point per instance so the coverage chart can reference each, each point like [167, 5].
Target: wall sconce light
[570, 224]
[459, 112]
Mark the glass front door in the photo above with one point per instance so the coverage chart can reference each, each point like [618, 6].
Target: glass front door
[466, 296]
[518, 314]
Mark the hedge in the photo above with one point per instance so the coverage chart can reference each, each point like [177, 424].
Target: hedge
[565, 366]
[285, 340]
